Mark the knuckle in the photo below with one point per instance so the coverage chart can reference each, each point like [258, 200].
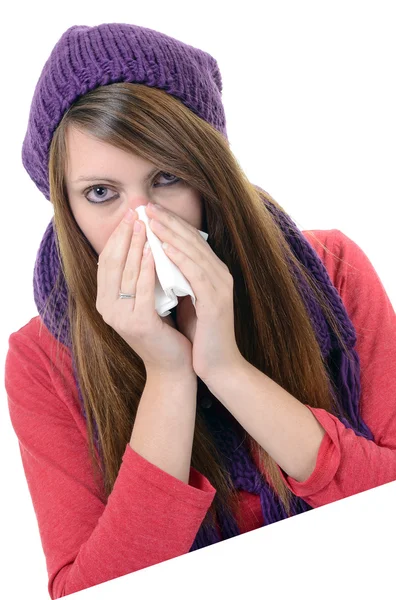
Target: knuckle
[145, 263]
[137, 239]
[201, 275]
[130, 275]
[169, 218]
[106, 320]
[229, 279]
[143, 289]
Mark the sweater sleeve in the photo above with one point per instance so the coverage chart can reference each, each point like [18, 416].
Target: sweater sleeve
[149, 517]
[347, 463]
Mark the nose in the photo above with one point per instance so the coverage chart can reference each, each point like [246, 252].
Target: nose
[135, 202]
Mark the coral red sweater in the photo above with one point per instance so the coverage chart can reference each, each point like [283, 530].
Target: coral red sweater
[150, 515]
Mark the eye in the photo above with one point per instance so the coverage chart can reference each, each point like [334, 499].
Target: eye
[177, 179]
[105, 197]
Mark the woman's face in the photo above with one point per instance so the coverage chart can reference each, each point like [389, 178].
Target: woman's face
[132, 185]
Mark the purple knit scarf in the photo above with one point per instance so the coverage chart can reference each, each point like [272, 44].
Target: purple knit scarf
[345, 373]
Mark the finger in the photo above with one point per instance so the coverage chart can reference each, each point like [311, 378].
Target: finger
[131, 270]
[117, 243]
[112, 259]
[186, 233]
[186, 238]
[171, 220]
[212, 296]
[145, 289]
[190, 259]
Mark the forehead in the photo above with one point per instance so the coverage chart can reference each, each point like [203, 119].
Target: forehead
[87, 155]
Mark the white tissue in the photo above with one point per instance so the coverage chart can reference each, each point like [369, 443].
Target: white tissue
[169, 280]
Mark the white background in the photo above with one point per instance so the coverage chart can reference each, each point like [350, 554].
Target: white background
[309, 96]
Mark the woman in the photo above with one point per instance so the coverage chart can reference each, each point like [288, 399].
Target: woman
[152, 436]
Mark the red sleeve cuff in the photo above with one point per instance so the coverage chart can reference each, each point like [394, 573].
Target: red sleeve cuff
[327, 462]
[199, 492]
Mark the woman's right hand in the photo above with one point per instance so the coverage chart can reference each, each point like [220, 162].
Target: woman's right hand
[122, 266]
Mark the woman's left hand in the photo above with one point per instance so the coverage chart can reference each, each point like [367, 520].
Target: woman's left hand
[210, 325]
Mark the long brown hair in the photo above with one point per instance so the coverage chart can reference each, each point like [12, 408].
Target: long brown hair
[272, 327]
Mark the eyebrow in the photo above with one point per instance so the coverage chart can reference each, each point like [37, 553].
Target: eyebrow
[109, 179]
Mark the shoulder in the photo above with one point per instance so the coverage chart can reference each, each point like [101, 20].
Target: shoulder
[328, 241]
[38, 371]
[343, 258]
[355, 278]
[34, 342]
[35, 335]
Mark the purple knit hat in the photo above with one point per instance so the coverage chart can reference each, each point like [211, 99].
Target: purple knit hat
[86, 57]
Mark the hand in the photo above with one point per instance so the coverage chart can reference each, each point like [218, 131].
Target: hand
[122, 266]
[210, 326]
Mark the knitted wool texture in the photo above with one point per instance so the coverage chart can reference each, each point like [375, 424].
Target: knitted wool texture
[86, 57]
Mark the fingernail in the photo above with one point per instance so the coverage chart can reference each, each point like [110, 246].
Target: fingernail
[128, 217]
[136, 227]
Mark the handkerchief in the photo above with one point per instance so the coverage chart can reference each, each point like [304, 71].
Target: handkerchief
[169, 280]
